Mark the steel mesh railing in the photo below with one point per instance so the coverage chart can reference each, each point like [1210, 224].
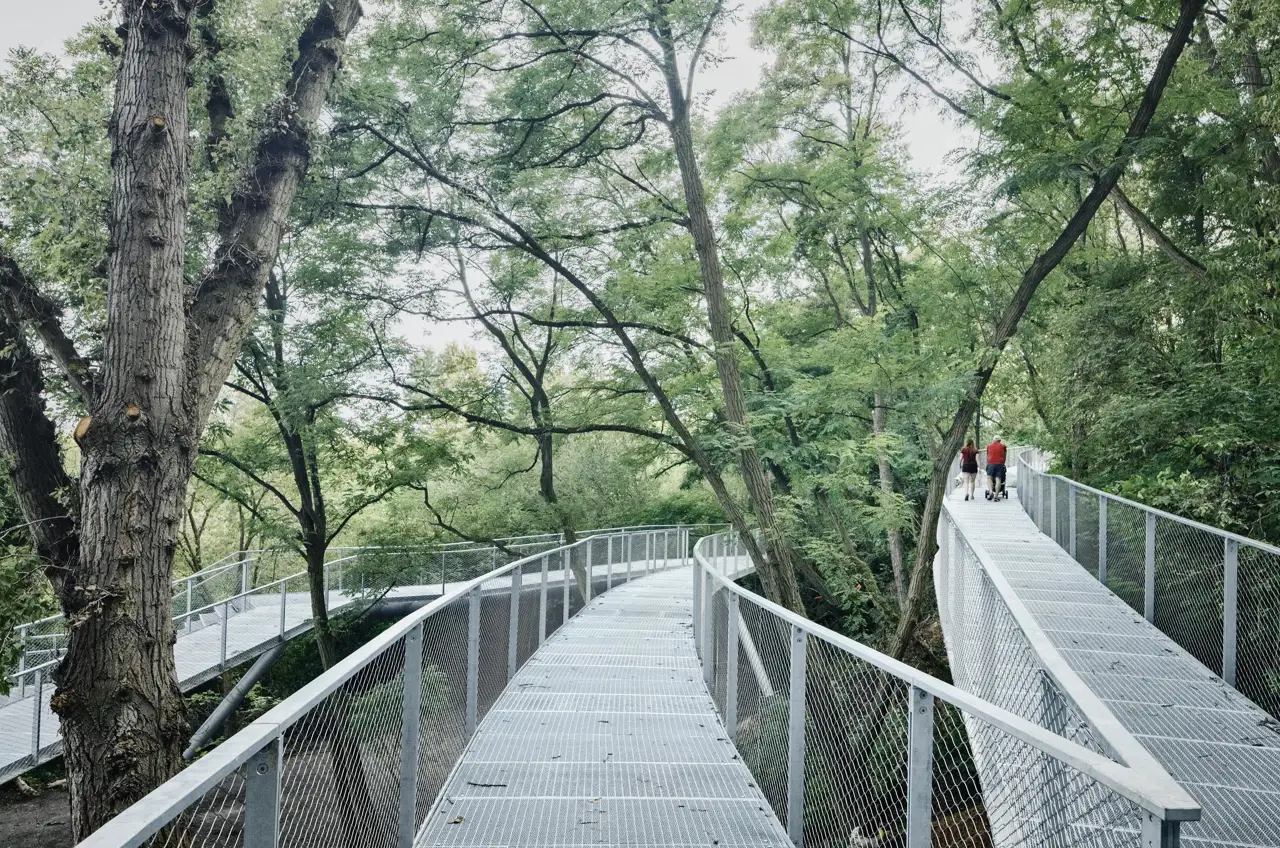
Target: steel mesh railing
[240, 604]
[1215, 593]
[852, 748]
[358, 756]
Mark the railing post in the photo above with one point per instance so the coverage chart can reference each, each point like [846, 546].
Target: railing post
[1157, 833]
[627, 549]
[513, 624]
[244, 577]
[920, 769]
[708, 623]
[542, 603]
[959, 619]
[697, 609]
[608, 569]
[1102, 539]
[795, 738]
[1053, 509]
[226, 615]
[38, 713]
[409, 737]
[473, 660]
[189, 600]
[566, 560]
[1071, 520]
[1230, 591]
[262, 796]
[586, 591]
[731, 669]
[1149, 579]
[284, 603]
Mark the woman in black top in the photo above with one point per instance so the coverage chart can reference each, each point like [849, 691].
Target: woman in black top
[969, 468]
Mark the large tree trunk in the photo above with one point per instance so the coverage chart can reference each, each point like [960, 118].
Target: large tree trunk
[123, 720]
[776, 572]
[166, 353]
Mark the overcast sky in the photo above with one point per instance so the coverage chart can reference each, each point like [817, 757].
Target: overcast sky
[929, 137]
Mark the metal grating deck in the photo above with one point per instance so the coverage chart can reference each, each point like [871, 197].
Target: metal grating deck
[1214, 741]
[607, 736]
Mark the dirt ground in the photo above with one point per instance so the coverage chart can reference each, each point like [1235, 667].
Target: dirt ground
[43, 822]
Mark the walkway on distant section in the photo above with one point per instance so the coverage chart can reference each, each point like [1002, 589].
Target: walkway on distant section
[607, 736]
[1214, 741]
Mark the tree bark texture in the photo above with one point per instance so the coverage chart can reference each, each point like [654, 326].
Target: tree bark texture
[123, 721]
[776, 572]
[927, 543]
[30, 444]
[167, 351]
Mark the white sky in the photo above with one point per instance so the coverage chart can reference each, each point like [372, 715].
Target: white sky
[928, 135]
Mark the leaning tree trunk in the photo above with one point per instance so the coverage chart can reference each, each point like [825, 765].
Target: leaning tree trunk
[776, 572]
[893, 534]
[927, 542]
[123, 721]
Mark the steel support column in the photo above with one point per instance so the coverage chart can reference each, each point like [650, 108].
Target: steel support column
[795, 738]
[1230, 608]
[410, 736]
[919, 769]
[262, 796]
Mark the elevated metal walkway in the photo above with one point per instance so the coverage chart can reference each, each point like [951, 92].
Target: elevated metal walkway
[607, 736]
[1005, 590]
[237, 609]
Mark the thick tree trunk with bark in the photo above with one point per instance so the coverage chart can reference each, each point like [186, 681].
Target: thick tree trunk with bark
[123, 720]
[166, 353]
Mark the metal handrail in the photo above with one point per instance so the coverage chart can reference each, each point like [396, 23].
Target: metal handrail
[1152, 789]
[1160, 513]
[243, 558]
[1227, 589]
[1099, 716]
[264, 736]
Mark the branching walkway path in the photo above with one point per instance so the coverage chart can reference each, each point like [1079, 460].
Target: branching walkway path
[607, 736]
[1219, 745]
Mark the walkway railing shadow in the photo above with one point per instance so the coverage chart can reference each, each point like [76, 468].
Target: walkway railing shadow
[853, 748]
[357, 757]
[1215, 593]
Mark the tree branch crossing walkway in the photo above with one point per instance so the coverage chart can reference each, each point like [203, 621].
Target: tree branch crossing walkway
[655, 700]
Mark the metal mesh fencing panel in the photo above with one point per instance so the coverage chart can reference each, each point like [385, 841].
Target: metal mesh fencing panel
[1086, 552]
[761, 732]
[215, 821]
[442, 734]
[495, 624]
[855, 742]
[1062, 514]
[1189, 589]
[958, 817]
[1032, 799]
[341, 776]
[1258, 628]
[853, 771]
[992, 657]
[1126, 552]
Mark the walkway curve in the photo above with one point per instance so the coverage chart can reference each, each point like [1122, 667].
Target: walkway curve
[607, 735]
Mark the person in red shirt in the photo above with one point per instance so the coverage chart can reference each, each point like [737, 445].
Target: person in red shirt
[995, 470]
[969, 468]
